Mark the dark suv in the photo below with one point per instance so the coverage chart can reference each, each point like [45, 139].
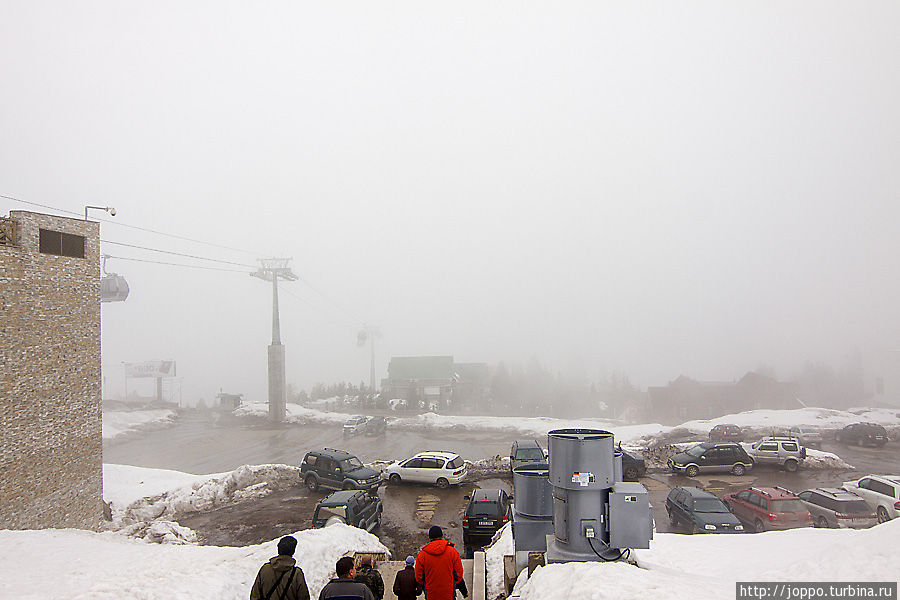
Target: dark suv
[708, 457]
[766, 508]
[633, 467]
[376, 426]
[337, 470]
[487, 511]
[862, 433]
[700, 511]
[726, 433]
[351, 507]
[525, 452]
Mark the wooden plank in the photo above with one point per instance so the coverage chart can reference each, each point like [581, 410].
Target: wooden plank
[479, 577]
[509, 572]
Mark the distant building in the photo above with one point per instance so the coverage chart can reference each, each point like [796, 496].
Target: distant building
[51, 471]
[686, 399]
[229, 401]
[437, 381]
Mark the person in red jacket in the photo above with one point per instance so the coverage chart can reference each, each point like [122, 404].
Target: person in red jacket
[438, 566]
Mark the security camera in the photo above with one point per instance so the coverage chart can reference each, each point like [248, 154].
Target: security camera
[112, 212]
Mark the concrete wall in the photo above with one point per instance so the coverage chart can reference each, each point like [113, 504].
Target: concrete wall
[50, 444]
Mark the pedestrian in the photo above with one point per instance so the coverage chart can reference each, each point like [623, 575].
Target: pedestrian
[405, 585]
[280, 578]
[368, 575]
[438, 566]
[344, 587]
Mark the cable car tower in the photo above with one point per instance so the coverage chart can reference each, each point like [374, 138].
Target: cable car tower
[273, 269]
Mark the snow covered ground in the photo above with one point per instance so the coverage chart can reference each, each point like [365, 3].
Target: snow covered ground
[707, 566]
[641, 434]
[117, 423]
[73, 564]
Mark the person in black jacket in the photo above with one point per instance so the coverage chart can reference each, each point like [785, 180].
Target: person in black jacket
[405, 585]
[344, 587]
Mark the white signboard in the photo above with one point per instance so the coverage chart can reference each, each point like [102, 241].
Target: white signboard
[151, 368]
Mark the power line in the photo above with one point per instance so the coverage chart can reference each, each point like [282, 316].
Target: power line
[120, 224]
[158, 262]
[335, 303]
[313, 306]
[227, 262]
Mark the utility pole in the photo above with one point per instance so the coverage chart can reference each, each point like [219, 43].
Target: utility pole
[271, 269]
[369, 333]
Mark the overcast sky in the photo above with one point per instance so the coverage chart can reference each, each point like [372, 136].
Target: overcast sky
[660, 188]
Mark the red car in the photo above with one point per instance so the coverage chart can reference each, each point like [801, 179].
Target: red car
[726, 433]
[767, 508]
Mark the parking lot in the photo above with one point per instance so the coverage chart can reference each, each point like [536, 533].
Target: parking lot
[196, 446]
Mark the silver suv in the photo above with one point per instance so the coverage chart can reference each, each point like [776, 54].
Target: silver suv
[786, 452]
[807, 437]
[355, 425]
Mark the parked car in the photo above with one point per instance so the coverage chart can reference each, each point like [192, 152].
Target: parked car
[439, 468]
[861, 434]
[487, 511]
[768, 508]
[709, 457]
[633, 467]
[525, 452]
[837, 508]
[376, 426]
[351, 507]
[807, 437]
[726, 433]
[785, 452]
[337, 470]
[700, 511]
[881, 492]
[355, 425]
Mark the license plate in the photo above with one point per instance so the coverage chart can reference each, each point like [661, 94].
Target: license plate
[485, 523]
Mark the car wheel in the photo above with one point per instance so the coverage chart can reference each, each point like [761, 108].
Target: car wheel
[672, 518]
[790, 465]
[312, 482]
[349, 485]
[883, 516]
[822, 522]
[394, 479]
[694, 529]
[631, 473]
[442, 483]
[758, 526]
[738, 469]
[692, 471]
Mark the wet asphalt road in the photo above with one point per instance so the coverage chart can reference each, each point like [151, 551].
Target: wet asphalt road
[199, 445]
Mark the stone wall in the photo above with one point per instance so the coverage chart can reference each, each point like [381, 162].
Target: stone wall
[50, 443]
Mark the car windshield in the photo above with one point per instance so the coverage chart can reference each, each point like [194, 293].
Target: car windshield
[351, 464]
[854, 507]
[485, 509]
[530, 454]
[786, 506]
[709, 505]
[324, 512]
[696, 451]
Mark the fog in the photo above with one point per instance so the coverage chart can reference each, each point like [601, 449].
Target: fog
[695, 189]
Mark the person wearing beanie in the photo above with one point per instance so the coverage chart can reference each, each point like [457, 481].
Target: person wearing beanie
[438, 566]
[405, 585]
[280, 577]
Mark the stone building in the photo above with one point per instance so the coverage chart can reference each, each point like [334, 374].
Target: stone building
[50, 444]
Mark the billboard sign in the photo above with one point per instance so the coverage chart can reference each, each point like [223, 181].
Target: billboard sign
[150, 368]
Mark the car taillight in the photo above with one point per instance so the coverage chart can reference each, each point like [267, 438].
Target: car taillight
[772, 516]
[457, 472]
[505, 519]
[842, 516]
[465, 521]
[896, 505]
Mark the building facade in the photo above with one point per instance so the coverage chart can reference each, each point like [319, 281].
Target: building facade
[51, 465]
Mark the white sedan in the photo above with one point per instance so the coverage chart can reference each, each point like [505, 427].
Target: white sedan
[442, 469]
[881, 492]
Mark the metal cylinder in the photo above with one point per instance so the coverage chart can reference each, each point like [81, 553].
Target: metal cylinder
[617, 466]
[581, 459]
[533, 492]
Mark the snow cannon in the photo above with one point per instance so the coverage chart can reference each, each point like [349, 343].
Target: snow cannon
[596, 515]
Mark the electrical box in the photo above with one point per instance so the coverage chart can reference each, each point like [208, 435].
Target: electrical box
[630, 525]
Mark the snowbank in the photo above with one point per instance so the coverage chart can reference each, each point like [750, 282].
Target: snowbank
[493, 559]
[106, 565]
[124, 484]
[815, 418]
[696, 567]
[119, 422]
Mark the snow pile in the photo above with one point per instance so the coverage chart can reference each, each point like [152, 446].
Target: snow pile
[488, 467]
[294, 413]
[501, 546]
[161, 532]
[119, 422]
[696, 567]
[248, 481]
[124, 484]
[105, 565]
[814, 418]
